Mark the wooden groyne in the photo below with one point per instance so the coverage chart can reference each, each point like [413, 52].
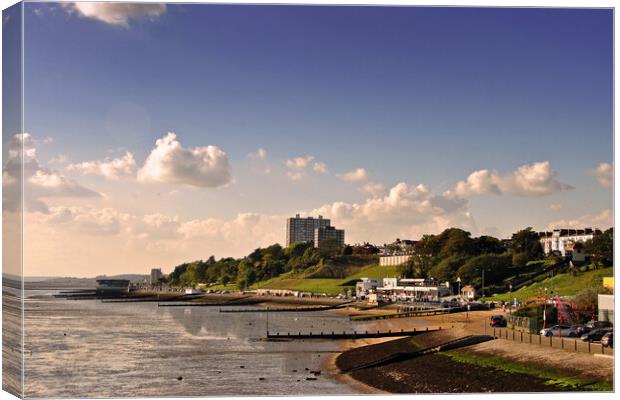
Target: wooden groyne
[349, 335]
[419, 313]
[282, 309]
[218, 304]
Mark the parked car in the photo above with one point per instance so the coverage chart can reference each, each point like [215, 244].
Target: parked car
[559, 330]
[594, 335]
[498, 321]
[608, 339]
[599, 324]
[581, 329]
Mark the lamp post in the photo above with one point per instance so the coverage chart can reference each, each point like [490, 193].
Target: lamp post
[482, 290]
[458, 279]
[545, 311]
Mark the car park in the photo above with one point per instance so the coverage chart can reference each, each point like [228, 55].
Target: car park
[594, 335]
[608, 339]
[559, 330]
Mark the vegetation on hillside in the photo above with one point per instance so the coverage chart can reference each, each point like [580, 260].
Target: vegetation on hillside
[506, 265]
[560, 285]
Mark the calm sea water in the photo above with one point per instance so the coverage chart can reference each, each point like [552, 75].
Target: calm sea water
[95, 349]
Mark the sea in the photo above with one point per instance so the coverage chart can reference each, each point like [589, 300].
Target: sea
[90, 348]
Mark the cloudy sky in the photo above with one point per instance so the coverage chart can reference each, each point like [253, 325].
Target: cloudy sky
[157, 134]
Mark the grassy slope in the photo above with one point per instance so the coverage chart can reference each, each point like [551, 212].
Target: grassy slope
[552, 377]
[563, 285]
[329, 286]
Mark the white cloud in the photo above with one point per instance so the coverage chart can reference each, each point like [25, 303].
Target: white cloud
[259, 154]
[116, 13]
[169, 162]
[89, 220]
[602, 220]
[604, 174]
[238, 236]
[555, 206]
[39, 182]
[373, 188]
[356, 175]
[535, 180]
[320, 167]
[299, 162]
[295, 176]
[406, 211]
[112, 169]
[158, 226]
[298, 167]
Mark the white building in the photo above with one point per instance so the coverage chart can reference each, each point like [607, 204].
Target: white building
[365, 286]
[563, 240]
[394, 260]
[468, 292]
[414, 289]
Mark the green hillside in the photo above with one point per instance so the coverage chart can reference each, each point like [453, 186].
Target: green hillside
[562, 285]
[326, 285]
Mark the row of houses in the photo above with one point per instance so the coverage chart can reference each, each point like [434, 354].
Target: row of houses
[567, 242]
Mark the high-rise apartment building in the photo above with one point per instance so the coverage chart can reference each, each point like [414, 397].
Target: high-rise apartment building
[300, 230]
[156, 275]
[326, 233]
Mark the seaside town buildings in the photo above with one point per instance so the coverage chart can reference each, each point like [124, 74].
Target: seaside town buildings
[309, 229]
[402, 289]
[563, 241]
[397, 252]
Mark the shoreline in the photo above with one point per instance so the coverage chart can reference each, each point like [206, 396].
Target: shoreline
[335, 372]
[515, 367]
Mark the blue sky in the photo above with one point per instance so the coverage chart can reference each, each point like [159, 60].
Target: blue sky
[413, 95]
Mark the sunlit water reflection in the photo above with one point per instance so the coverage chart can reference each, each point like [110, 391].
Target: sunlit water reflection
[94, 349]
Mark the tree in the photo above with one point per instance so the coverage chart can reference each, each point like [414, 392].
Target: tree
[455, 241]
[520, 259]
[329, 248]
[488, 245]
[527, 241]
[446, 269]
[496, 268]
[246, 276]
[601, 248]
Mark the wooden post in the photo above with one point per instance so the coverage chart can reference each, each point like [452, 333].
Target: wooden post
[561, 342]
[589, 346]
[575, 345]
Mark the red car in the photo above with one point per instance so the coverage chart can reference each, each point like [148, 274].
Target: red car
[499, 321]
